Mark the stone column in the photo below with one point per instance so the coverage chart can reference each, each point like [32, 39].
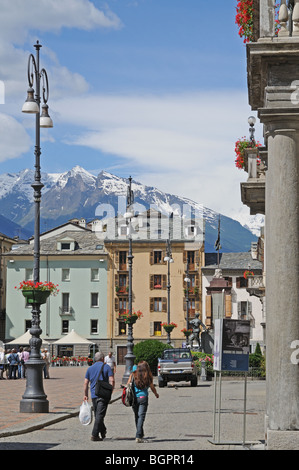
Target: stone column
[282, 268]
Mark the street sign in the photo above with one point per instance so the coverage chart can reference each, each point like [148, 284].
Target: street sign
[231, 345]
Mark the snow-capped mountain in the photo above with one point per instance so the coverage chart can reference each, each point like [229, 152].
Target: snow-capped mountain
[78, 193]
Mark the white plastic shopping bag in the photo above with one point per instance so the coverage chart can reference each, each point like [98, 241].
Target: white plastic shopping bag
[85, 413]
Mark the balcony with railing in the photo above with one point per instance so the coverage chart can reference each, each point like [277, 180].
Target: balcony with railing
[253, 190]
[66, 310]
[275, 19]
[255, 286]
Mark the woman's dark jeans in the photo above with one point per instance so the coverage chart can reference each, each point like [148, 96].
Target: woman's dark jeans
[140, 409]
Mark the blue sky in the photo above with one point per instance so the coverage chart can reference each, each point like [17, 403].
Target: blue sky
[155, 89]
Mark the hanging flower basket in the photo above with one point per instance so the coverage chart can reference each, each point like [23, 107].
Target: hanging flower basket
[130, 318]
[240, 146]
[186, 332]
[168, 327]
[248, 273]
[37, 293]
[36, 296]
[244, 19]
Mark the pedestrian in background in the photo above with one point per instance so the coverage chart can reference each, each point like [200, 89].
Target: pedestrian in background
[24, 358]
[2, 363]
[99, 404]
[110, 360]
[13, 360]
[46, 357]
[19, 353]
[143, 380]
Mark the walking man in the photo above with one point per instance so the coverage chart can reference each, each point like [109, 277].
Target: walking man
[99, 404]
[110, 360]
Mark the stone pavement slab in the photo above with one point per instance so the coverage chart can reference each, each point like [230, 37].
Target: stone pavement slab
[64, 392]
[181, 420]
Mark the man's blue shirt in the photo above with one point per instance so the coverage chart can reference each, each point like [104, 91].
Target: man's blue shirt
[92, 375]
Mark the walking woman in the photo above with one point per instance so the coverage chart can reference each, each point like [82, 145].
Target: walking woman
[143, 380]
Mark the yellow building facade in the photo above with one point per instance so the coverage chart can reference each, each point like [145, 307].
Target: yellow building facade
[150, 289]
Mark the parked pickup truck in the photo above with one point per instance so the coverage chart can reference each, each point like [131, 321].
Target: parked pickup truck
[176, 365]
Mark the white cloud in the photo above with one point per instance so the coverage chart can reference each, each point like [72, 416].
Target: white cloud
[13, 139]
[19, 17]
[18, 20]
[183, 143]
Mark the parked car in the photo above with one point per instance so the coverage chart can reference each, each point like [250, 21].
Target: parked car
[177, 365]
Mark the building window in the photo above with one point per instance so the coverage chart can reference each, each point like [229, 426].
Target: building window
[65, 274]
[94, 299]
[93, 327]
[157, 281]
[65, 326]
[122, 280]
[65, 246]
[28, 274]
[27, 325]
[157, 257]
[121, 328]
[157, 328]
[124, 230]
[158, 304]
[122, 260]
[95, 274]
[241, 282]
[123, 302]
[65, 302]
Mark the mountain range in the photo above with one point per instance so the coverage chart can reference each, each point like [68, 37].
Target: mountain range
[78, 193]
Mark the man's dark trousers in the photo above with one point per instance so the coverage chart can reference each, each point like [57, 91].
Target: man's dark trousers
[100, 407]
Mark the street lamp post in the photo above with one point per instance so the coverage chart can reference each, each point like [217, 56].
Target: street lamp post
[34, 399]
[169, 260]
[187, 280]
[251, 122]
[130, 343]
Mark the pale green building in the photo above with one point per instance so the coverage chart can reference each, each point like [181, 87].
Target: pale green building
[73, 257]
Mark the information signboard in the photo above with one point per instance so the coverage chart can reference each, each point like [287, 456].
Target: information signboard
[231, 345]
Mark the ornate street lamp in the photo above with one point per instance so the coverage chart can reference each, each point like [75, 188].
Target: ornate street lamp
[129, 357]
[251, 122]
[34, 399]
[169, 260]
[187, 280]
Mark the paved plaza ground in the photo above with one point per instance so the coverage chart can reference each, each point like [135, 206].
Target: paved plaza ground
[182, 418]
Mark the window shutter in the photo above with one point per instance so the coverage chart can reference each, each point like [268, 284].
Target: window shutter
[151, 304]
[116, 304]
[151, 257]
[151, 328]
[184, 305]
[163, 256]
[116, 328]
[164, 304]
[164, 281]
[197, 305]
[116, 257]
[116, 280]
[151, 282]
[185, 257]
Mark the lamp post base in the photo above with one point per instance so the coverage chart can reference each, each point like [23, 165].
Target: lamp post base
[34, 399]
[34, 406]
